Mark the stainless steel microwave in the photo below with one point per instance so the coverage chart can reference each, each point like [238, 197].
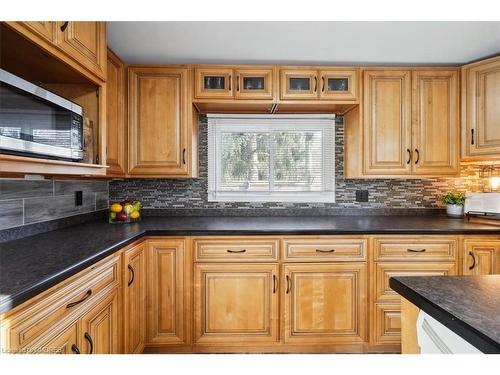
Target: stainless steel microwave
[37, 122]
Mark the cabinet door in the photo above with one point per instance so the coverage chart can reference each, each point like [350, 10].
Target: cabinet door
[481, 257]
[387, 122]
[45, 29]
[158, 122]
[100, 327]
[168, 292]
[435, 122]
[214, 83]
[65, 341]
[134, 299]
[236, 303]
[299, 84]
[254, 83]
[481, 95]
[86, 43]
[339, 84]
[115, 115]
[325, 303]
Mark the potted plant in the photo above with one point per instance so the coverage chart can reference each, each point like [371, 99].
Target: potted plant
[454, 204]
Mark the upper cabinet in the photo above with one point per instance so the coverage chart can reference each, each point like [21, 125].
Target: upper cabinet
[326, 84]
[86, 43]
[481, 110]
[82, 45]
[239, 82]
[387, 122]
[408, 125]
[436, 139]
[161, 136]
[115, 116]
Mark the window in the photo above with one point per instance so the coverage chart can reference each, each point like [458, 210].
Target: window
[271, 158]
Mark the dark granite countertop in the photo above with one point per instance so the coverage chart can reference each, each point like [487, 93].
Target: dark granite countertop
[468, 305]
[31, 265]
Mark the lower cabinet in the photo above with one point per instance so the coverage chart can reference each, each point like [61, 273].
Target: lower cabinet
[236, 303]
[168, 292]
[134, 298]
[100, 327]
[325, 303]
[65, 341]
[481, 257]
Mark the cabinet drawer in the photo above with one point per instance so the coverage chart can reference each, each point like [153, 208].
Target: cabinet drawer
[384, 271]
[387, 323]
[324, 248]
[236, 249]
[67, 299]
[407, 249]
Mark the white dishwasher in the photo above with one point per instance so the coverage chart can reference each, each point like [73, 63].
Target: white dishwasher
[434, 338]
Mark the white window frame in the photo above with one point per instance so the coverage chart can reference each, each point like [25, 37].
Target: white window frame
[219, 123]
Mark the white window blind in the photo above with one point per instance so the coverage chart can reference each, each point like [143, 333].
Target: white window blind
[271, 158]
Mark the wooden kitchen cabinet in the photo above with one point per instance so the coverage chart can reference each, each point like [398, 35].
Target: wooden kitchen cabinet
[168, 292]
[325, 303]
[481, 110]
[387, 122]
[298, 83]
[160, 134]
[86, 43]
[256, 83]
[134, 298]
[246, 82]
[236, 304]
[322, 83]
[161, 137]
[115, 115]
[44, 29]
[100, 327]
[66, 340]
[408, 125]
[481, 257]
[337, 84]
[436, 127]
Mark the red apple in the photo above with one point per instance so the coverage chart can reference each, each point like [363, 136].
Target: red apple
[121, 216]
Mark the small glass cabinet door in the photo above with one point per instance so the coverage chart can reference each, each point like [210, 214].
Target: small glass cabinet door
[214, 83]
[338, 85]
[254, 84]
[299, 84]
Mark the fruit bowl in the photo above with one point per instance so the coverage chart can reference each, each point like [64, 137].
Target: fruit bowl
[125, 212]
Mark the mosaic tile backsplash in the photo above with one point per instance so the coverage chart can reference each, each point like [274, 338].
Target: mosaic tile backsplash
[191, 194]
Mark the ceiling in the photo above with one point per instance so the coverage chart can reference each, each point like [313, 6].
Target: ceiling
[353, 43]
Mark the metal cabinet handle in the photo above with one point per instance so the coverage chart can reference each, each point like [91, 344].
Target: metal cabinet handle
[416, 250]
[473, 260]
[315, 84]
[132, 274]
[73, 304]
[322, 83]
[325, 251]
[64, 26]
[236, 251]
[75, 349]
[472, 136]
[418, 156]
[230, 79]
[409, 156]
[184, 156]
[91, 343]
[275, 284]
[288, 284]
[238, 83]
